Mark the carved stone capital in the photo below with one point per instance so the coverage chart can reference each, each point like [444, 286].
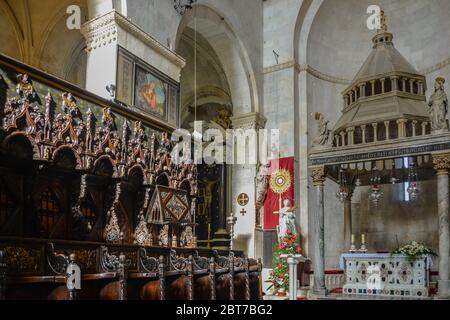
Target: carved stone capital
[441, 163]
[319, 175]
[252, 120]
[105, 30]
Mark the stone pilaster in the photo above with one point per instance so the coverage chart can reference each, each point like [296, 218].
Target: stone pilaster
[243, 181]
[318, 179]
[442, 166]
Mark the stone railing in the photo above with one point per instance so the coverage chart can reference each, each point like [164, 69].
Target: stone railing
[381, 131]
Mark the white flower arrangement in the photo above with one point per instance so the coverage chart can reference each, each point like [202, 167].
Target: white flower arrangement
[414, 250]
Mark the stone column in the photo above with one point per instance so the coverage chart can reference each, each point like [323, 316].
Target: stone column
[244, 179]
[386, 126]
[350, 135]
[337, 138]
[442, 166]
[383, 85]
[404, 84]
[401, 123]
[372, 82]
[375, 132]
[343, 138]
[293, 261]
[420, 85]
[411, 85]
[394, 83]
[363, 130]
[414, 127]
[318, 178]
[348, 230]
[362, 89]
[424, 128]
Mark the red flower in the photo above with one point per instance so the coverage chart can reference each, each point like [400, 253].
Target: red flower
[290, 242]
[298, 250]
[289, 232]
[280, 266]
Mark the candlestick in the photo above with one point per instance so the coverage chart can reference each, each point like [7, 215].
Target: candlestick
[353, 247]
[363, 244]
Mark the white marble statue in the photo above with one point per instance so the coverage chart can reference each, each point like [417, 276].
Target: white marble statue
[286, 220]
[262, 182]
[438, 106]
[324, 135]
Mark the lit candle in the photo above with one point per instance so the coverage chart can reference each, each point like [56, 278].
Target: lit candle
[363, 238]
[353, 239]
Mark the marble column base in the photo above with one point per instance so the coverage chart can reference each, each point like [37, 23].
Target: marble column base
[444, 289]
[319, 291]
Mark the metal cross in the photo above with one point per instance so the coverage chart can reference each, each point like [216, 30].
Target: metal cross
[243, 199]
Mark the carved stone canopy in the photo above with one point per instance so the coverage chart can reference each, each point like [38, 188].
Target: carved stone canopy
[386, 88]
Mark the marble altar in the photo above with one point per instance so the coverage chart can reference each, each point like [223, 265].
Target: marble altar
[386, 275]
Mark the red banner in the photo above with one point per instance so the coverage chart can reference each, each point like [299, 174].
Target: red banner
[281, 187]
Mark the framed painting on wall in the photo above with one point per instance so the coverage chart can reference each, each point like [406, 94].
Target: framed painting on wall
[145, 89]
[151, 93]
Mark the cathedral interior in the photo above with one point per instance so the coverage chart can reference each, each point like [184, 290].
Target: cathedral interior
[340, 108]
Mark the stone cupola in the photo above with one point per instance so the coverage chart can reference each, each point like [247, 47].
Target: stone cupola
[386, 100]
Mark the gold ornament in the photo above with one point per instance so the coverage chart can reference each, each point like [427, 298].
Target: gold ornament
[280, 181]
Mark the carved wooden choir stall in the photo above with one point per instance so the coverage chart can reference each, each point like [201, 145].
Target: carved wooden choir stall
[88, 186]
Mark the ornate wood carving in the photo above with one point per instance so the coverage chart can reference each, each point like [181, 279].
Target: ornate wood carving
[190, 278]
[162, 277]
[73, 134]
[231, 275]
[57, 262]
[3, 269]
[148, 264]
[212, 278]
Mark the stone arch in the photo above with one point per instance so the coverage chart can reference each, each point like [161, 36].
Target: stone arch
[242, 79]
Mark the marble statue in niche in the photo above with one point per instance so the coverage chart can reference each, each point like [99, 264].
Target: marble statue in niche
[286, 220]
[262, 182]
[439, 106]
[324, 135]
